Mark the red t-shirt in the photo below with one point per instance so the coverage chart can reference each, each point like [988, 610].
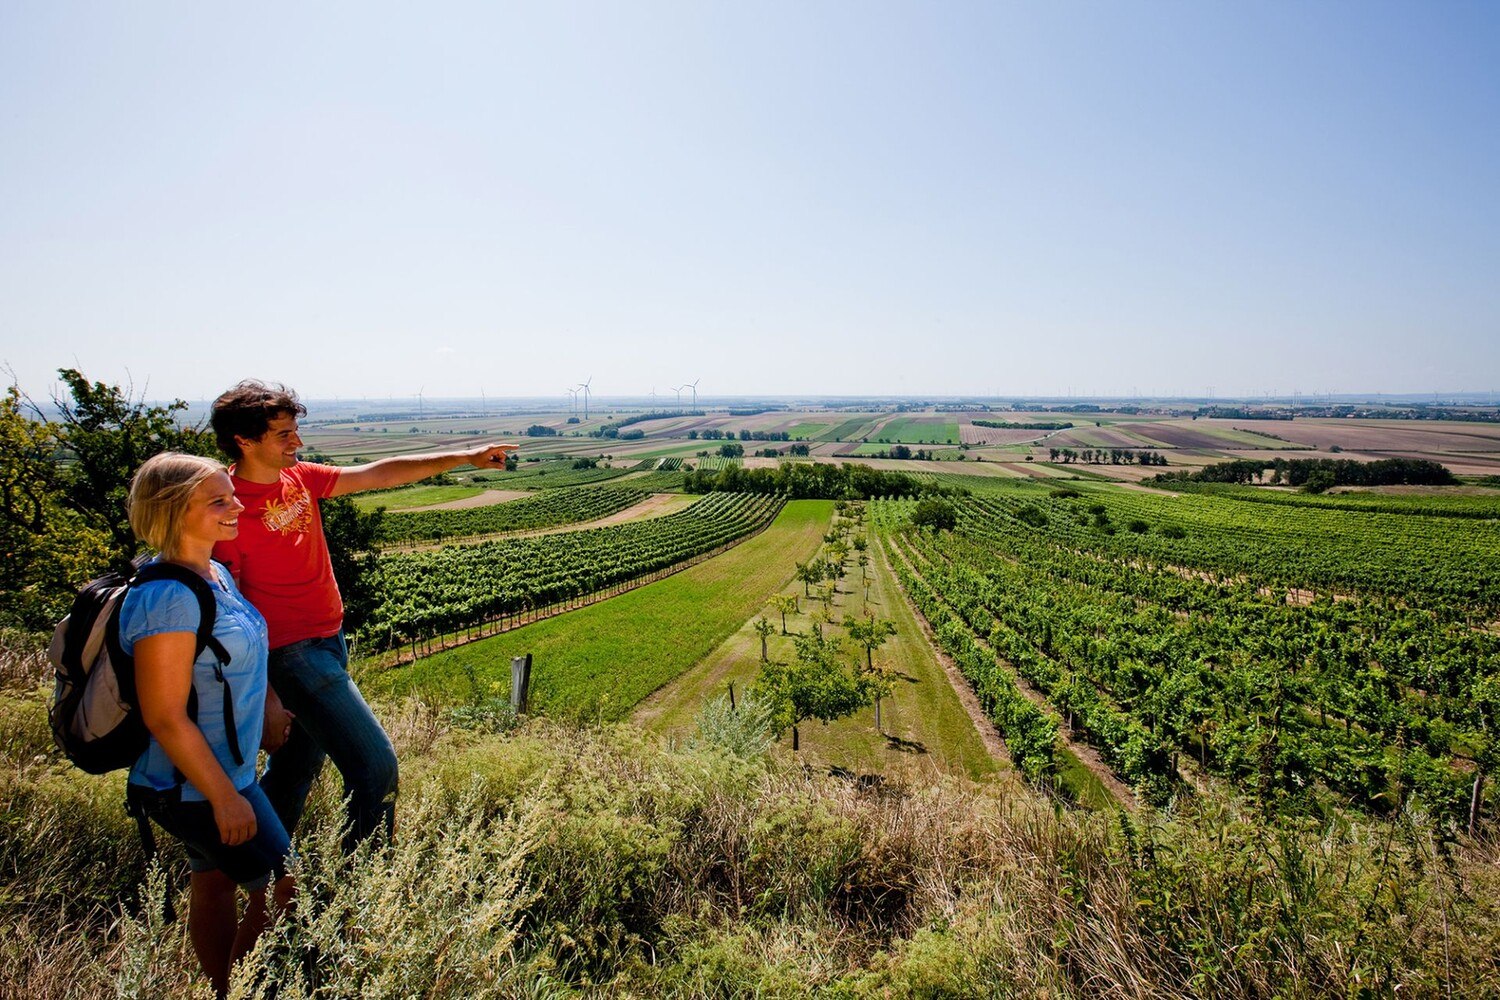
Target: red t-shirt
[280, 559]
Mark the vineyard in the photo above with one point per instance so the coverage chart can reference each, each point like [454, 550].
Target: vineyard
[659, 481]
[551, 475]
[473, 587]
[1308, 656]
[713, 463]
[547, 509]
[1483, 506]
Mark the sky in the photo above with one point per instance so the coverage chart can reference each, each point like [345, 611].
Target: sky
[844, 198]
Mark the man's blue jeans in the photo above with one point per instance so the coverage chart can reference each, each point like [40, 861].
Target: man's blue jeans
[312, 679]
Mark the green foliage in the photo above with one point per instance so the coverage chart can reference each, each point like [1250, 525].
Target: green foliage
[47, 548]
[106, 436]
[817, 684]
[934, 513]
[557, 859]
[809, 480]
[351, 535]
[765, 630]
[745, 730]
[1157, 657]
[488, 708]
[63, 487]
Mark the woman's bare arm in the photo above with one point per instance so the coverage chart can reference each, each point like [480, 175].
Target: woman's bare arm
[163, 680]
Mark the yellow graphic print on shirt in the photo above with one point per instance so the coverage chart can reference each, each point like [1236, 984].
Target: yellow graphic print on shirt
[291, 514]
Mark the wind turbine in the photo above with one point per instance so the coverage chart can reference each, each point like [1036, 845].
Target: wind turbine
[653, 399]
[678, 389]
[585, 388]
[694, 386]
[573, 393]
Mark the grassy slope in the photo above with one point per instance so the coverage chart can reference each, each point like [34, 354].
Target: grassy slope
[923, 713]
[603, 660]
[414, 496]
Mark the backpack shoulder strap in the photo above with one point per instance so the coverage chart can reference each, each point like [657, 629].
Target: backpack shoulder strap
[208, 610]
[207, 607]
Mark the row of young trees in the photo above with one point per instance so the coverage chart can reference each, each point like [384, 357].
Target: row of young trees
[823, 680]
[1110, 456]
[812, 481]
[715, 434]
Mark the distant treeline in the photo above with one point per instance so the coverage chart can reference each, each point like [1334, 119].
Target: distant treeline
[1011, 425]
[812, 481]
[901, 451]
[1480, 415]
[1318, 474]
[1240, 413]
[714, 434]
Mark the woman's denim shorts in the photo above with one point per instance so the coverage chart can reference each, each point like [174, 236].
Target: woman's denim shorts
[250, 864]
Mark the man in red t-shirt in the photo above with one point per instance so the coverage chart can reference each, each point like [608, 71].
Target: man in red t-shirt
[280, 561]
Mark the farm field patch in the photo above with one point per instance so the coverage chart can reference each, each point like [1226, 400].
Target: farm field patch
[851, 429]
[482, 499]
[971, 434]
[601, 661]
[808, 430]
[1428, 438]
[409, 497]
[917, 430]
[1089, 436]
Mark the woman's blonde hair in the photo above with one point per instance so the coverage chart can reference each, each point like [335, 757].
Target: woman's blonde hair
[159, 495]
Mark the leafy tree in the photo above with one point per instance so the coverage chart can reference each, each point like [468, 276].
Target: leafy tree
[935, 513]
[106, 436]
[352, 535]
[809, 573]
[870, 633]
[765, 630]
[784, 603]
[46, 549]
[825, 594]
[816, 684]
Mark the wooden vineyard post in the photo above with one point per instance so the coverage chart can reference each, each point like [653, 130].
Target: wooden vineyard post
[520, 683]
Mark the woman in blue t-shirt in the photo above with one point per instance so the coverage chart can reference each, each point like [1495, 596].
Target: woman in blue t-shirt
[193, 780]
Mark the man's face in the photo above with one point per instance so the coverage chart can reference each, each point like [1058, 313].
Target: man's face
[276, 448]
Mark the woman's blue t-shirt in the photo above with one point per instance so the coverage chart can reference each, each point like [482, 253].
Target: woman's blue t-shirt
[168, 606]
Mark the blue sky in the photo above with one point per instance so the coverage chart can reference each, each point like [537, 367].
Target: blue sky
[842, 198]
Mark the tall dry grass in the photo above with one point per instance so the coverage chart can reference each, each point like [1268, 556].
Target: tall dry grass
[558, 860]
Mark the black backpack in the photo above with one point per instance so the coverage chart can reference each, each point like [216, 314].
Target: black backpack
[95, 718]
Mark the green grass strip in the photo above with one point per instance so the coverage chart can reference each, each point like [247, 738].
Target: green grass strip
[414, 496]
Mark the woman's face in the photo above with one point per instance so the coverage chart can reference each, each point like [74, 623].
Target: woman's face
[213, 513]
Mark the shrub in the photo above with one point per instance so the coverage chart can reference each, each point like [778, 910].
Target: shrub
[745, 731]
